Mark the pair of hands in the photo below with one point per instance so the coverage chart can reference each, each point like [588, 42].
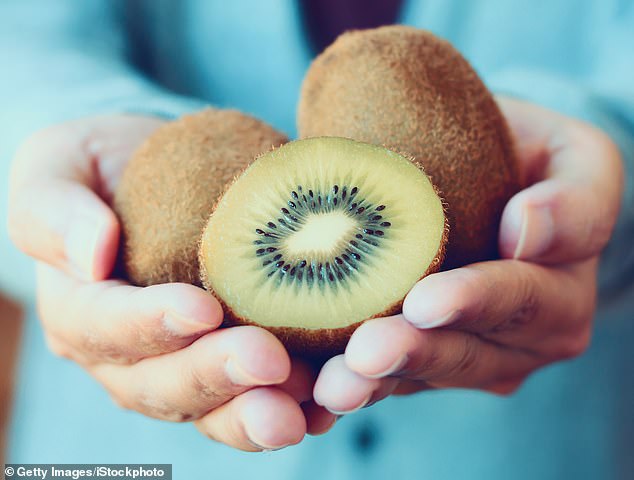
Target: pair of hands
[158, 350]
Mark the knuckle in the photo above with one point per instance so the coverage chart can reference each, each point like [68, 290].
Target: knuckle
[155, 406]
[104, 350]
[527, 309]
[431, 363]
[153, 338]
[149, 404]
[521, 317]
[468, 357]
[201, 382]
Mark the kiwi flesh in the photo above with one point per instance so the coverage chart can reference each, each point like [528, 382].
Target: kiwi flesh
[319, 235]
[171, 184]
[413, 92]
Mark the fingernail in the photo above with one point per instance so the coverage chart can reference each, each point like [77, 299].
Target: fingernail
[261, 445]
[264, 448]
[352, 410]
[183, 326]
[434, 322]
[239, 376]
[398, 364]
[81, 245]
[269, 450]
[536, 232]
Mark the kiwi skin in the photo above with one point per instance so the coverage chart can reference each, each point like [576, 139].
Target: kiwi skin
[412, 92]
[320, 344]
[171, 184]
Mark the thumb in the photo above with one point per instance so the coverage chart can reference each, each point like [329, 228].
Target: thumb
[54, 214]
[570, 214]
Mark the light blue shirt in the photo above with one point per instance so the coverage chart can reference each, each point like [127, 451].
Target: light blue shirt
[61, 59]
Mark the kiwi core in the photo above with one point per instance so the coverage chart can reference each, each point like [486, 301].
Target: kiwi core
[322, 235]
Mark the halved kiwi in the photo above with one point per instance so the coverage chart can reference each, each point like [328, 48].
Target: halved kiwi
[319, 235]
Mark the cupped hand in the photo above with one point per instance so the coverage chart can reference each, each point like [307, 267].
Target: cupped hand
[157, 350]
[489, 325]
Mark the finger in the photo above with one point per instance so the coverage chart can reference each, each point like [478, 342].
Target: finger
[56, 213]
[436, 358]
[65, 225]
[504, 387]
[116, 322]
[569, 214]
[299, 384]
[408, 387]
[260, 419]
[530, 134]
[188, 383]
[341, 390]
[318, 419]
[517, 303]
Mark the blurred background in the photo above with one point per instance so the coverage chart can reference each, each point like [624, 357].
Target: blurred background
[62, 59]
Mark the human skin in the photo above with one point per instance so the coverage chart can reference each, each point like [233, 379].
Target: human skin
[489, 325]
[157, 350]
[492, 325]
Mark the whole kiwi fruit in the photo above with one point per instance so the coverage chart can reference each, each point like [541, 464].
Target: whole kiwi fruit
[171, 184]
[413, 92]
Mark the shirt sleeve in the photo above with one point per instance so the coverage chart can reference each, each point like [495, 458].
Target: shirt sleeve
[62, 59]
[603, 97]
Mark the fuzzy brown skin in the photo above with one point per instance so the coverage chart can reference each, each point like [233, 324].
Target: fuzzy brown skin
[319, 344]
[412, 92]
[170, 187]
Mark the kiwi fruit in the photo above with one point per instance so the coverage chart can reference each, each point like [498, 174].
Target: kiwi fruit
[413, 92]
[170, 186]
[319, 235]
